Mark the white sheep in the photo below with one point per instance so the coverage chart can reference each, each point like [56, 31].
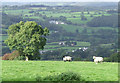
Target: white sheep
[67, 58]
[98, 59]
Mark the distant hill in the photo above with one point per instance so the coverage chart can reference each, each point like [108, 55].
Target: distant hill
[63, 3]
[101, 4]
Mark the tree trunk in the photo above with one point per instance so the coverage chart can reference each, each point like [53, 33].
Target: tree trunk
[26, 58]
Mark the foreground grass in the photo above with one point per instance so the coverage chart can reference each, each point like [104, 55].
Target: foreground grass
[27, 71]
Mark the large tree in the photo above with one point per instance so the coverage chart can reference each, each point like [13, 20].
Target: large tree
[27, 38]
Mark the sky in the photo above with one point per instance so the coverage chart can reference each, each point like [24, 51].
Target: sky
[59, 0]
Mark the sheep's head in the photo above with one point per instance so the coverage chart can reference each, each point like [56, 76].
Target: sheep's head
[94, 57]
[63, 56]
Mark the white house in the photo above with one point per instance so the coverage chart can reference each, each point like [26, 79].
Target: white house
[56, 22]
[61, 43]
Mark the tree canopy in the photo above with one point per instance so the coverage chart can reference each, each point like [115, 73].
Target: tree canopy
[27, 38]
[104, 21]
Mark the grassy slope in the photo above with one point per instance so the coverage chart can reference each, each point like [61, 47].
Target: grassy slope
[27, 71]
[72, 28]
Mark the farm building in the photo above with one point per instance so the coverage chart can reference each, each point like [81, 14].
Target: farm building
[56, 22]
[61, 43]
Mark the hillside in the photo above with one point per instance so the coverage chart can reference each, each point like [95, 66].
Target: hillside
[89, 25]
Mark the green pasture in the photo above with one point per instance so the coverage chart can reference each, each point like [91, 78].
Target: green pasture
[35, 17]
[4, 29]
[27, 71]
[72, 28]
[50, 46]
[3, 37]
[70, 47]
[28, 14]
[54, 43]
[107, 45]
[78, 20]
[17, 12]
[83, 43]
[57, 14]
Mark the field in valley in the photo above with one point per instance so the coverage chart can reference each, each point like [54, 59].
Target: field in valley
[27, 71]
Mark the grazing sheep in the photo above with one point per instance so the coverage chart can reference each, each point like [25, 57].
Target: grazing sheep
[67, 58]
[98, 59]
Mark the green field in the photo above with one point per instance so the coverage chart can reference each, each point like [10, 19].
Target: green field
[17, 12]
[36, 17]
[55, 45]
[79, 21]
[4, 37]
[72, 28]
[27, 71]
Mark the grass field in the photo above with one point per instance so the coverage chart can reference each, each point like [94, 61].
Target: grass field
[4, 37]
[27, 71]
[72, 28]
[17, 12]
[55, 45]
[78, 20]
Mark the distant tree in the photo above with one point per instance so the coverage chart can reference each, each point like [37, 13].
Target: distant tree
[36, 14]
[99, 13]
[31, 11]
[26, 15]
[62, 18]
[43, 12]
[68, 22]
[68, 43]
[104, 21]
[74, 16]
[83, 17]
[27, 38]
[40, 14]
[113, 58]
[92, 31]
[82, 13]
[5, 50]
[45, 17]
[9, 19]
[84, 31]
[91, 15]
[88, 12]
[77, 31]
[4, 32]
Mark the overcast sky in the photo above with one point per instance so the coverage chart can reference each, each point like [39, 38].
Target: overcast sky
[60, 0]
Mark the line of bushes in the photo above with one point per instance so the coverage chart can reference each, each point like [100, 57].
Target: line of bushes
[65, 76]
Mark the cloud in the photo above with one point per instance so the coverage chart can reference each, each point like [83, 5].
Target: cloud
[60, 0]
